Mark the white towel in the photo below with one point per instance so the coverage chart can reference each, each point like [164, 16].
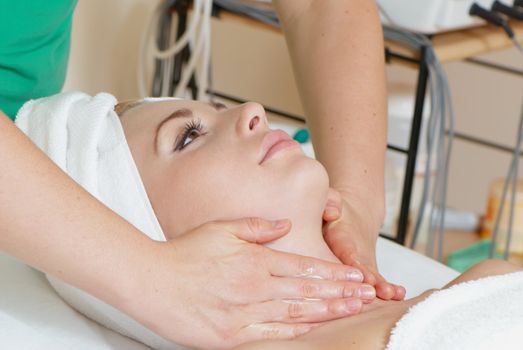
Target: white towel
[83, 135]
[482, 314]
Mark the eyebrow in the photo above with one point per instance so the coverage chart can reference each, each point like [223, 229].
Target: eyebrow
[218, 105]
[180, 113]
[187, 113]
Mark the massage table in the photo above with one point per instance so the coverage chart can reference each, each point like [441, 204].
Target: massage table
[32, 315]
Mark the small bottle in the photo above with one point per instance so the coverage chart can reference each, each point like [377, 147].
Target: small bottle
[494, 201]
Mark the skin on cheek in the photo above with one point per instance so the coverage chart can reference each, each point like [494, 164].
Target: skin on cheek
[193, 194]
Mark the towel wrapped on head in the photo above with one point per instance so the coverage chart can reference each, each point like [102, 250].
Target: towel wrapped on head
[83, 135]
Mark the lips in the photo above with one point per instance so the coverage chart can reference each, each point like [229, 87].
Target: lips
[274, 142]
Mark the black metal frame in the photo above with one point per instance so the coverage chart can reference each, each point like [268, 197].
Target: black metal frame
[412, 150]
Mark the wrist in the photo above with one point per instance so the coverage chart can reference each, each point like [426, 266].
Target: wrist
[126, 284]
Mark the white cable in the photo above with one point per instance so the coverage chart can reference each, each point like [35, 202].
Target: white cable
[168, 65]
[203, 82]
[441, 107]
[199, 44]
[200, 20]
[184, 39]
[511, 176]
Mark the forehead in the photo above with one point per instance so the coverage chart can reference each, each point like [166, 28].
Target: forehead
[146, 114]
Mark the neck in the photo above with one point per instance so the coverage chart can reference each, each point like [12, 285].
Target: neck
[305, 237]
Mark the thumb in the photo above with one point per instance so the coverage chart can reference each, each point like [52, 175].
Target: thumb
[332, 210]
[258, 230]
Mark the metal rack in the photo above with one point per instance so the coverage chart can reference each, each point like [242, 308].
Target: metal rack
[393, 54]
[182, 6]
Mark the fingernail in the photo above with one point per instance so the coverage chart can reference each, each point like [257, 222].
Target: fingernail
[353, 306]
[281, 224]
[332, 211]
[366, 292]
[355, 276]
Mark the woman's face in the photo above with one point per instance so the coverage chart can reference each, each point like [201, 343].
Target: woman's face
[202, 162]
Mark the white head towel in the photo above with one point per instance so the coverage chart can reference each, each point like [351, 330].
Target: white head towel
[83, 135]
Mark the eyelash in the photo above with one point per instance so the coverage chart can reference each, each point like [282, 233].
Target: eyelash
[190, 127]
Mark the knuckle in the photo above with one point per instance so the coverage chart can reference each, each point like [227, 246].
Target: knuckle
[340, 274]
[346, 291]
[295, 310]
[258, 259]
[305, 267]
[300, 330]
[270, 332]
[255, 224]
[309, 290]
[334, 309]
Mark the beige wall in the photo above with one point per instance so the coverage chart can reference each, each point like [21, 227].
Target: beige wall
[487, 105]
[105, 45]
[252, 63]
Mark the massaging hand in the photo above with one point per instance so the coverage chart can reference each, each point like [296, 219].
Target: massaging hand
[229, 290]
[346, 231]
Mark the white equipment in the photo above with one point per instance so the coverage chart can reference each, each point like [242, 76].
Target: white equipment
[431, 16]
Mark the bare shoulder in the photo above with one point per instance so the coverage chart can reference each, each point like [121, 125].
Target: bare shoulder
[484, 269]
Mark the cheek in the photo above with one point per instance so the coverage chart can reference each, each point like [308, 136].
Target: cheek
[280, 190]
[202, 190]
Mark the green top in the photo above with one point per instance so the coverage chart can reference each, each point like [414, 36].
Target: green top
[34, 48]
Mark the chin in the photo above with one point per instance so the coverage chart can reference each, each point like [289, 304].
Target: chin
[309, 177]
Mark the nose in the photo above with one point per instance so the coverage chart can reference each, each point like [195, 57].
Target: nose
[251, 119]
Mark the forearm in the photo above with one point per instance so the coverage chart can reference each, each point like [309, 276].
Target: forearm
[51, 223]
[337, 53]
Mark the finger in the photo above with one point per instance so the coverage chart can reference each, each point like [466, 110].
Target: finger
[307, 288]
[368, 275]
[400, 292]
[351, 259]
[291, 265]
[300, 311]
[333, 206]
[273, 331]
[385, 291]
[257, 230]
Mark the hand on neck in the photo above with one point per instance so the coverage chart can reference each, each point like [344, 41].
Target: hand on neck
[305, 237]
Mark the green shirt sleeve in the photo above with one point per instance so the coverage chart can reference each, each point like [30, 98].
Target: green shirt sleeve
[34, 49]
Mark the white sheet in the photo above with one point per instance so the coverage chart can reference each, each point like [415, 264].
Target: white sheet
[32, 316]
